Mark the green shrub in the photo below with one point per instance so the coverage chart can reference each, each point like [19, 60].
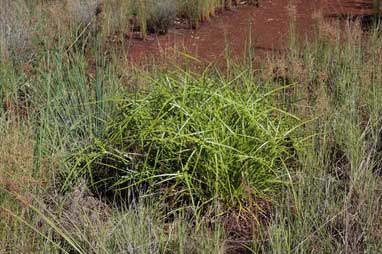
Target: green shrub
[197, 140]
[160, 15]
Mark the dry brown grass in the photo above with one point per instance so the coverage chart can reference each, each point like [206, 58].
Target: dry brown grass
[19, 174]
[16, 157]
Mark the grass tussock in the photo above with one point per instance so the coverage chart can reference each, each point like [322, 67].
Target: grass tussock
[201, 139]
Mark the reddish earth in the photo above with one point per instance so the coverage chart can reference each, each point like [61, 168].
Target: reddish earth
[268, 24]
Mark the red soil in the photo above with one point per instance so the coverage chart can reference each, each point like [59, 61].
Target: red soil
[269, 26]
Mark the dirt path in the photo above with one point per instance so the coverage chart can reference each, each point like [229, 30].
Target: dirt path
[269, 26]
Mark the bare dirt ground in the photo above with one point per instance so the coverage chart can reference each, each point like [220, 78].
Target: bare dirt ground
[268, 26]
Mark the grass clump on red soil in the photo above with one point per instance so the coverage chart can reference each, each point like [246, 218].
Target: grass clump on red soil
[197, 140]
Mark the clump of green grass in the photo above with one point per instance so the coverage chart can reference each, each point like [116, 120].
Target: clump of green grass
[197, 139]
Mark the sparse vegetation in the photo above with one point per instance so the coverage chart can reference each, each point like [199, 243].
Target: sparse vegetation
[97, 157]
